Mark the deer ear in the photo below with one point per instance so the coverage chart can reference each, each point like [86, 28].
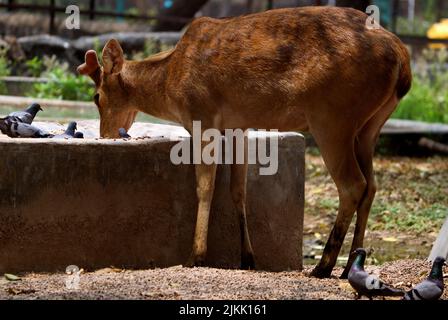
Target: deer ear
[91, 66]
[113, 58]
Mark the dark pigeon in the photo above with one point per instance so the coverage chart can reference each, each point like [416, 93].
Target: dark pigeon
[432, 287]
[79, 135]
[15, 129]
[69, 133]
[366, 284]
[123, 134]
[26, 116]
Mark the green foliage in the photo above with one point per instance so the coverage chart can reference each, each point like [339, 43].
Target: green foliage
[98, 49]
[4, 65]
[418, 27]
[430, 10]
[62, 84]
[4, 70]
[428, 98]
[35, 66]
[151, 47]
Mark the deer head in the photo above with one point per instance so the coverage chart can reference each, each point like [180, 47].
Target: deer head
[112, 96]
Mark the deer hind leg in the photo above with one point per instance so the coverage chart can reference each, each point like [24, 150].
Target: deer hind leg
[205, 187]
[238, 190]
[365, 148]
[338, 153]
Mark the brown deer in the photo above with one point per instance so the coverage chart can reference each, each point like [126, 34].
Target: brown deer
[316, 69]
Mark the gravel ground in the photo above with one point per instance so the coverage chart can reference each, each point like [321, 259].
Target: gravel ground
[204, 283]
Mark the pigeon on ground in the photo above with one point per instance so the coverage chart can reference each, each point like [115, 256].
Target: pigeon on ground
[69, 133]
[432, 287]
[15, 129]
[123, 134]
[79, 135]
[26, 116]
[366, 284]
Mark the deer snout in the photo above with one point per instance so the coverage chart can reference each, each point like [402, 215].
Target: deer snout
[110, 124]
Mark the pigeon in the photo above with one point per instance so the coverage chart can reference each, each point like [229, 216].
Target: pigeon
[123, 134]
[79, 135]
[69, 133]
[26, 116]
[432, 287]
[366, 284]
[15, 129]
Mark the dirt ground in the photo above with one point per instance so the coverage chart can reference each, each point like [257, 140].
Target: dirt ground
[409, 209]
[205, 283]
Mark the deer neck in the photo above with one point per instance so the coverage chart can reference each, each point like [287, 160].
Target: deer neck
[148, 88]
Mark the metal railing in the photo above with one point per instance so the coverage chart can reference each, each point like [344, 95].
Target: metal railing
[92, 13]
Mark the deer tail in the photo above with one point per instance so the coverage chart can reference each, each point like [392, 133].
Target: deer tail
[404, 82]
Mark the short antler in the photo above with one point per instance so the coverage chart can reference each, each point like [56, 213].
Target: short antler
[91, 67]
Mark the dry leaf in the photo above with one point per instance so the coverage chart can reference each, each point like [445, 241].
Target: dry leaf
[16, 291]
[390, 239]
[344, 285]
[12, 277]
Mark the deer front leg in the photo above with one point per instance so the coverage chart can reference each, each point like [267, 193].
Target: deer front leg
[205, 186]
[238, 190]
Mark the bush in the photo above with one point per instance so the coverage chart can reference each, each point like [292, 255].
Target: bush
[35, 66]
[428, 98]
[62, 84]
[65, 86]
[151, 47]
[4, 70]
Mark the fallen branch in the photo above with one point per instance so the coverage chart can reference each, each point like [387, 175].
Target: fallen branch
[433, 145]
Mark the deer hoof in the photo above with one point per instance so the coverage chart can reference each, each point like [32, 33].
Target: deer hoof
[194, 261]
[247, 262]
[321, 273]
[344, 274]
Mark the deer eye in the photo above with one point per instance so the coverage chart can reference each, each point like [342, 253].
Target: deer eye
[96, 98]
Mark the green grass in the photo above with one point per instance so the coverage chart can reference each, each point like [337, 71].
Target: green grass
[412, 194]
[397, 217]
[330, 204]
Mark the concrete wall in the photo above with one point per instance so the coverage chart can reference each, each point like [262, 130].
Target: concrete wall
[97, 203]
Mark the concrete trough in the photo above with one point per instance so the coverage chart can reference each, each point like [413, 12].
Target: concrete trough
[99, 203]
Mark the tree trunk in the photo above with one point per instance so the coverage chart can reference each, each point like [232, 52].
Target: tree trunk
[357, 4]
[185, 9]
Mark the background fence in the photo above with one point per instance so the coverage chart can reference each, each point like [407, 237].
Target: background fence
[91, 10]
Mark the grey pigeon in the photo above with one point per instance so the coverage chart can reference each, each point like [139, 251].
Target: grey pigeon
[79, 135]
[366, 284]
[69, 133]
[26, 116]
[432, 287]
[15, 129]
[123, 134]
